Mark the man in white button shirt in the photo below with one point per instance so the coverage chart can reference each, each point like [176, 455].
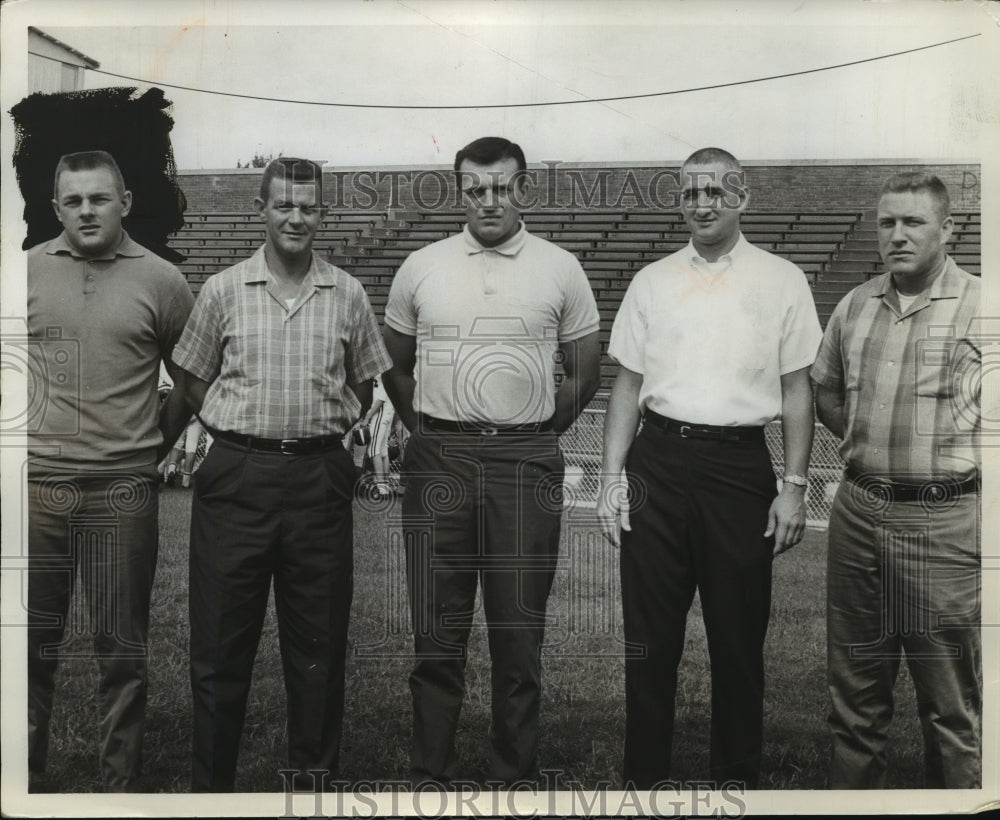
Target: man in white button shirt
[713, 342]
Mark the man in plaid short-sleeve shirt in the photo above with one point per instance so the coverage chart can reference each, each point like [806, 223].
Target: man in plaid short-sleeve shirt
[897, 380]
[279, 357]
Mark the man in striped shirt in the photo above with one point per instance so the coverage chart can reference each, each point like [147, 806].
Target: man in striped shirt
[278, 360]
[897, 380]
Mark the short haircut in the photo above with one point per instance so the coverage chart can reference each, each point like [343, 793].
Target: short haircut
[705, 156]
[919, 181]
[487, 150]
[292, 169]
[88, 161]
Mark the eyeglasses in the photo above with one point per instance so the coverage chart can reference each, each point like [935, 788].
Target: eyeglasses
[711, 196]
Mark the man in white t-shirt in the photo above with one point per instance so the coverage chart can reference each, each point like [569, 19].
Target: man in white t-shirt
[475, 325]
[713, 342]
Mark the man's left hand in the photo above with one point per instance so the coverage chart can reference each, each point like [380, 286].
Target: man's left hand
[786, 520]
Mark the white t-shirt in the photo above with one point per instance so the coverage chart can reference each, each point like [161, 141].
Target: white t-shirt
[712, 340]
[488, 323]
[905, 301]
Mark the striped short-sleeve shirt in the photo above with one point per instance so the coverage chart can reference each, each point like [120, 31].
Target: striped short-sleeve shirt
[279, 370]
[910, 379]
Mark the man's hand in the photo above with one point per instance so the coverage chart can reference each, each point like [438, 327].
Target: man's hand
[786, 520]
[612, 508]
[398, 380]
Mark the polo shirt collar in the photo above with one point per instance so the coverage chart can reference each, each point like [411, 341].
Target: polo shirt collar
[508, 248]
[320, 275]
[732, 256]
[128, 248]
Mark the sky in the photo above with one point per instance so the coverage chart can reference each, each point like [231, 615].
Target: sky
[933, 104]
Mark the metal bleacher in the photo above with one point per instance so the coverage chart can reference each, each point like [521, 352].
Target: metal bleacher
[858, 259]
[837, 250]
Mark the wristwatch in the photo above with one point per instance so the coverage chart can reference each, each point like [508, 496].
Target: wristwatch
[797, 480]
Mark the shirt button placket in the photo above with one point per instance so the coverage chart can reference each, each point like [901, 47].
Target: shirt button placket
[285, 371]
[489, 272]
[89, 284]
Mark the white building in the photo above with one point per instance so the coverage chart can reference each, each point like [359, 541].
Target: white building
[54, 66]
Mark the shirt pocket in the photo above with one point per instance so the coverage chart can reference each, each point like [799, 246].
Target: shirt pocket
[246, 357]
[946, 386]
[749, 345]
[753, 357]
[328, 351]
[939, 367]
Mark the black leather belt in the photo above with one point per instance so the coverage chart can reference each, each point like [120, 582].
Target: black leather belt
[481, 428]
[935, 491]
[286, 446]
[686, 429]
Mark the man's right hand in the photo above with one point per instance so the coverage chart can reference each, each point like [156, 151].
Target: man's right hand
[612, 508]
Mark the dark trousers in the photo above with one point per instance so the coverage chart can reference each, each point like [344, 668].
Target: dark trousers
[698, 521]
[104, 527]
[486, 509]
[258, 516]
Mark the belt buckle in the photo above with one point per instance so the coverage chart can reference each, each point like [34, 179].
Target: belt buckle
[285, 441]
[488, 431]
[883, 489]
[684, 430]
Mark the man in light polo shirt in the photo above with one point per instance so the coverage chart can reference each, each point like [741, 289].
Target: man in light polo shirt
[479, 321]
[897, 380]
[278, 359]
[103, 312]
[713, 342]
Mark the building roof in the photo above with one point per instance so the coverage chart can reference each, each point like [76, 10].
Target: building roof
[90, 61]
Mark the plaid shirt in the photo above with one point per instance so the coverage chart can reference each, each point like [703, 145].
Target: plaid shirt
[275, 371]
[910, 380]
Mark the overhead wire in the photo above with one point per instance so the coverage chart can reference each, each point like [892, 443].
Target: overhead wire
[584, 101]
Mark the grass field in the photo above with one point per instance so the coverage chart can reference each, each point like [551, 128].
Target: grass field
[583, 706]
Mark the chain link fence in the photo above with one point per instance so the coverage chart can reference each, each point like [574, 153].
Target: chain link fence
[826, 468]
[582, 446]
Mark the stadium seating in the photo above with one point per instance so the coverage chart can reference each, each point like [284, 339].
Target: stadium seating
[858, 259]
[837, 250]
